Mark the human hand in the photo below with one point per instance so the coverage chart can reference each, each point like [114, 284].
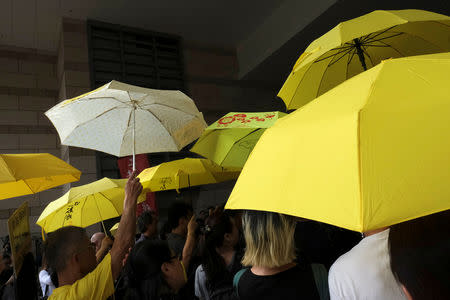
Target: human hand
[107, 242]
[133, 188]
[192, 226]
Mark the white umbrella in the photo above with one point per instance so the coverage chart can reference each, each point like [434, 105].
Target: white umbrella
[123, 119]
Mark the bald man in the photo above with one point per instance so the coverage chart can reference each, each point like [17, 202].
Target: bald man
[97, 239]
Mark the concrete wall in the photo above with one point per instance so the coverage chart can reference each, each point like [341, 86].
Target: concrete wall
[212, 81]
[28, 87]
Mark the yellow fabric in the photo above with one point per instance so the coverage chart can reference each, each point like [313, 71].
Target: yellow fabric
[333, 58]
[372, 152]
[85, 205]
[23, 174]
[184, 173]
[96, 285]
[113, 229]
[229, 141]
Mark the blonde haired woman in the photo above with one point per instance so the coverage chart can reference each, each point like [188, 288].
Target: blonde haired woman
[273, 271]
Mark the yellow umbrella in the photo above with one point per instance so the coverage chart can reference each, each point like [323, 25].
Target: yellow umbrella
[359, 44]
[114, 228]
[185, 173]
[85, 205]
[229, 141]
[370, 153]
[23, 174]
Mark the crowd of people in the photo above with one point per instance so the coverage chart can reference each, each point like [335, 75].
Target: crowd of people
[221, 254]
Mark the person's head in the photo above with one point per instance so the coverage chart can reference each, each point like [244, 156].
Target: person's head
[220, 234]
[147, 223]
[178, 216]
[97, 239]
[269, 238]
[220, 230]
[152, 266]
[420, 256]
[69, 249]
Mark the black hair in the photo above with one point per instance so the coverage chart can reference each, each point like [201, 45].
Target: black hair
[216, 226]
[143, 269]
[61, 244]
[177, 211]
[144, 220]
[420, 255]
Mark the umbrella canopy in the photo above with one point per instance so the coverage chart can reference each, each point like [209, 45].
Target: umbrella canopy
[359, 44]
[122, 119]
[23, 174]
[370, 153]
[114, 228]
[183, 173]
[85, 205]
[229, 141]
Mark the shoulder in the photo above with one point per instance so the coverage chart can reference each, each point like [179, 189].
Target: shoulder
[98, 284]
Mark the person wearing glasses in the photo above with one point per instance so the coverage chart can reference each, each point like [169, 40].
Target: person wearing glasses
[72, 256]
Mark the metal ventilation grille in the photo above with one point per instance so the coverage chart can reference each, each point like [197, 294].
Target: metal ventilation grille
[133, 56]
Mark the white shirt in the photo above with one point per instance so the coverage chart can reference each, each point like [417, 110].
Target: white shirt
[44, 279]
[365, 272]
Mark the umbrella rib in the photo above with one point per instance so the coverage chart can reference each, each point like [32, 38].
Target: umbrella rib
[386, 37]
[329, 64]
[387, 45]
[82, 208]
[379, 33]
[150, 112]
[419, 37]
[301, 80]
[171, 107]
[87, 121]
[342, 49]
[85, 99]
[124, 134]
[367, 53]
[367, 37]
[350, 57]
[349, 61]
[333, 62]
[226, 156]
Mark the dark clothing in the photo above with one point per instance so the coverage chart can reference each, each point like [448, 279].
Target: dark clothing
[142, 237]
[176, 243]
[322, 243]
[294, 283]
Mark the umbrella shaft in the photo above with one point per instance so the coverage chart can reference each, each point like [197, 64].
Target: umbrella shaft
[360, 53]
[134, 143]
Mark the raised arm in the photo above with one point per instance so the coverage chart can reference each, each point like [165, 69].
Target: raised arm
[191, 241]
[127, 227]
